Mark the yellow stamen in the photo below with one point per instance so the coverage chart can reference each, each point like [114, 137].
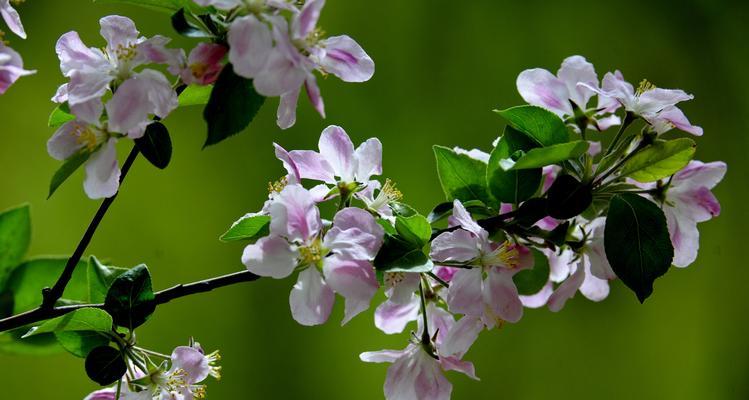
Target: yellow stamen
[277, 186]
[506, 255]
[311, 254]
[393, 278]
[86, 136]
[644, 86]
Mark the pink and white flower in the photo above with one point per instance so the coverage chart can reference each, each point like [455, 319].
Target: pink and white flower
[338, 260]
[688, 200]
[541, 88]
[11, 17]
[202, 66]
[655, 105]
[494, 296]
[11, 67]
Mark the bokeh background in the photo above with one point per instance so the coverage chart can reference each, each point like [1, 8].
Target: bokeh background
[442, 66]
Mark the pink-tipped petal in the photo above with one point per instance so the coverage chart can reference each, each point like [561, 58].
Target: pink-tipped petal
[346, 59]
[540, 88]
[337, 149]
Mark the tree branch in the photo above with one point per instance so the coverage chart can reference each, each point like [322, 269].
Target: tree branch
[50, 296]
[40, 314]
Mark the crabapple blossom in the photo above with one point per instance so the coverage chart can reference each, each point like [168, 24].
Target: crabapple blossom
[557, 94]
[11, 17]
[11, 67]
[687, 200]
[202, 66]
[655, 105]
[338, 260]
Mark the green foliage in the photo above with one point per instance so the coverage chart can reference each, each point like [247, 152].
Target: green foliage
[543, 156]
[568, 197]
[541, 125]
[80, 343]
[443, 210]
[637, 242]
[130, 300]
[166, 6]
[15, 237]
[195, 95]
[185, 28]
[531, 281]
[232, 106]
[60, 115]
[156, 145]
[249, 228]
[461, 176]
[66, 170]
[414, 229]
[100, 278]
[659, 160]
[403, 250]
[84, 319]
[105, 365]
[512, 186]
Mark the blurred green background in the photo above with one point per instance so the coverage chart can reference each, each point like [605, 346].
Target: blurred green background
[442, 66]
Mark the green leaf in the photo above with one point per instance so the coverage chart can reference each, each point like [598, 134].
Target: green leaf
[105, 365]
[659, 160]
[166, 6]
[42, 345]
[403, 209]
[130, 299]
[84, 319]
[512, 186]
[461, 176]
[531, 281]
[567, 197]
[543, 156]
[66, 169]
[443, 210]
[15, 237]
[249, 227]
[156, 145]
[609, 160]
[637, 242]
[195, 95]
[542, 126]
[80, 343]
[185, 28]
[414, 229]
[27, 279]
[60, 115]
[398, 255]
[100, 278]
[232, 106]
[531, 211]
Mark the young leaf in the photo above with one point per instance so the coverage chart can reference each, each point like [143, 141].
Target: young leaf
[542, 126]
[461, 176]
[80, 343]
[232, 106]
[195, 95]
[567, 197]
[130, 299]
[512, 186]
[15, 236]
[659, 160]
[543, 156]
[156, 145]
[105, 365]
[637, 242]
[414, 229]
[184, 27]
[100, 278]
[60, 115]
[531, 281]
[84, 319]
[66, 169]
[250, 227]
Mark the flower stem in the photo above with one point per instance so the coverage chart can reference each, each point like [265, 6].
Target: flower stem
[50, 296]
[425, 337]
[629, 117]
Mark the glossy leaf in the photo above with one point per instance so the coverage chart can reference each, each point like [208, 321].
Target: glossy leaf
[637, 242]
[130, 299]
[27, 279]
[531, 281]
[512, 186]
[100, 278]
[659, 160]
[543, 156]
[399, 255]
[66, 170]
[232, 106]
[80, 343]
[15, 237]
[156, 145]
[542, 126]
[567, 197]
[414, 229]
[84, 319]
[461, 176]
[105, 365]
[249, 228]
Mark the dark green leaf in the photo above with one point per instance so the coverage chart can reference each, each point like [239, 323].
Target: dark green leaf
[414, 229]
[512, 186]
[60, 115]
[156, 145]
[637, 242]
[609, 160]
[531, 281]
[231, 107]
[195, 95]
[659, 160]
[66, 169]
[250, 227]
[568, 197]
[461, 176]
[398, 255]
[184, 27]
[531, 211]
[84, 319]
[541, 125]
[27, 280]
[80, 343]
[443, 210]
[100, 278]
[130, 299]
[15, 236]
[403, 209]
[543, 156]
[105, 365]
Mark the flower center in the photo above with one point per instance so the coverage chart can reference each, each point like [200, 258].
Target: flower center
[393, 278]
[506, 255]
[644, 86]
[312, 253]
[388, 194]
[86, 136]
[278, 186]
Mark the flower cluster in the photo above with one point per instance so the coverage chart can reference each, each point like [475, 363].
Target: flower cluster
[178, 376]
[473, 275]
[278, 45]
[11, 64]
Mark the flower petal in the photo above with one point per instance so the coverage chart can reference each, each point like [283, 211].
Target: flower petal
[458, 365]
[118, 31]
[456, 246]
[270, 256]
[501, 295]
[593, 288]
[103, 172]
[464, 295]
[354, 280]
[461, 336]
[684, 236]
[311, 299]
[392, 317]
[313, 92]
[577, 69]
[294, 214]
[337, 149]
[250, 45]
[346, 59]
[566, 290]
[540, 88]
[368, 159]
[312, 165]
[192, 362]
[286, 114]
[11, 17]
[382, 356]
[305, 21]
[64, 143]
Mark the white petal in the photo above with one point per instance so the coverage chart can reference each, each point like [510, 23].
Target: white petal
[270, 256]
[311, 299]
[103, 172]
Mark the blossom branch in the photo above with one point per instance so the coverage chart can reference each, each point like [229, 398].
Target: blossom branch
[51, 295]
